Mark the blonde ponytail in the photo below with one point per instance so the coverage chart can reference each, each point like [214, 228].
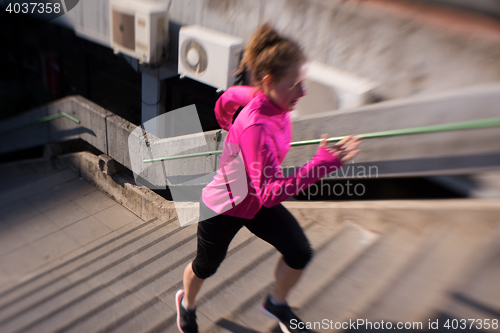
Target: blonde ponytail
[270, 53]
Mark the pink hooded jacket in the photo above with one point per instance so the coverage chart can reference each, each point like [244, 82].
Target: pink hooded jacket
[249, 175]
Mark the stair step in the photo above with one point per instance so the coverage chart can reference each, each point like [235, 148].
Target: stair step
[261, 278]
[359, 279]
[223, 301]
[66, 298]
[348, 294]
[331, 258]
[106, 313]
[221, 305]
[21, 321]
[233, 268]
[133, 254]
[347, 240]
[145, 318]
[319, 237]
[171, 280]
[427, 280]
[144, 285]
[478, 295]
[362, 267]
[166, 286]
[47, 281]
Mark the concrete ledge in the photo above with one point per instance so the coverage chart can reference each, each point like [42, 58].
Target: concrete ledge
[92, 127]
[492, 205]
[118, 132]
[413, 215]
[143, 202]
[108, 165]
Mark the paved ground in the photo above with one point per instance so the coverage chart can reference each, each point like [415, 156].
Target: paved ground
[48, 216]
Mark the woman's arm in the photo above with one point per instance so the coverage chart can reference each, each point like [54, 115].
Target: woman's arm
[265, 174]
[229, 102]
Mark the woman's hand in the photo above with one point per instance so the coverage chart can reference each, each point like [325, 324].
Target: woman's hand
[345, 149]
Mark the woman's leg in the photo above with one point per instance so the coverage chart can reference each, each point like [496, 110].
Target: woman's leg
[277, 226]
[214, 236]
[192, 285]
[286, 277]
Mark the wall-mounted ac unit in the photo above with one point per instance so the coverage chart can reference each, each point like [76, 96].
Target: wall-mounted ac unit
[329, 89]
[209, 56]
[139, 28]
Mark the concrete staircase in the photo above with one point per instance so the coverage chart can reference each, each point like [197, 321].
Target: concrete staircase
[395, 261]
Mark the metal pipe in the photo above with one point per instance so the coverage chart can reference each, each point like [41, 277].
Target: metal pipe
[472, 124]
[42, 120]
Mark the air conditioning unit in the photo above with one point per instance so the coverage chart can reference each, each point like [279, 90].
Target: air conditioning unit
[209, 56]
[329, 89]
[139, 28]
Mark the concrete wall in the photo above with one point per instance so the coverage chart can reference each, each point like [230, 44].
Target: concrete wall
[118, 132]
[408, 47]
[112, 135]
[421, 154]
[144, 203]
[490, 7]
[425, 154]
[92, 127]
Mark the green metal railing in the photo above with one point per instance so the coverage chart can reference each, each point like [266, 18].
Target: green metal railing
[42, 120]
[464, 125]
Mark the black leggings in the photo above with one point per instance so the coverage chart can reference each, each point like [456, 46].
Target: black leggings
[274, 225]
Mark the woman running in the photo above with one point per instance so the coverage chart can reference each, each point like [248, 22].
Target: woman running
[249, 185]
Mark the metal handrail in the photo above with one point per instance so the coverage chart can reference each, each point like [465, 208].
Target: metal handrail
[472, 124]
[42, 120]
